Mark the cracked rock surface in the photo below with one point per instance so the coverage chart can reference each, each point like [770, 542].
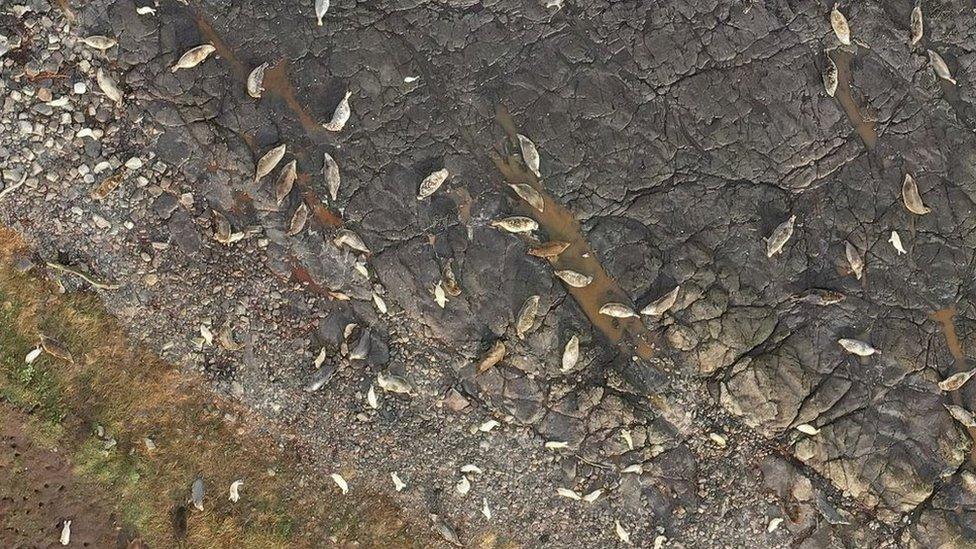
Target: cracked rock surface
[677, 134]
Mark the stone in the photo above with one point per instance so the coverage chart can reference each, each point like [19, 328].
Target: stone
[455, 401]
[165, 205]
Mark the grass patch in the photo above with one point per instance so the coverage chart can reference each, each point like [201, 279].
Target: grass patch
[133, 396]
[30, 386]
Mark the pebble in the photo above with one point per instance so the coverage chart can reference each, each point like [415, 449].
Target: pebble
[455, 401]
[101, 222]
[133, 163]
[80, 88]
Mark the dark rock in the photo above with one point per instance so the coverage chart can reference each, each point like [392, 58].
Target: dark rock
[165, 205]
[184, 232]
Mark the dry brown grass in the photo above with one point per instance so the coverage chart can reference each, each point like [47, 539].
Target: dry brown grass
[133, 396]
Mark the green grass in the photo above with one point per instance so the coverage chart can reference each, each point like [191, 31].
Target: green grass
[31, 387]
[118, 472]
